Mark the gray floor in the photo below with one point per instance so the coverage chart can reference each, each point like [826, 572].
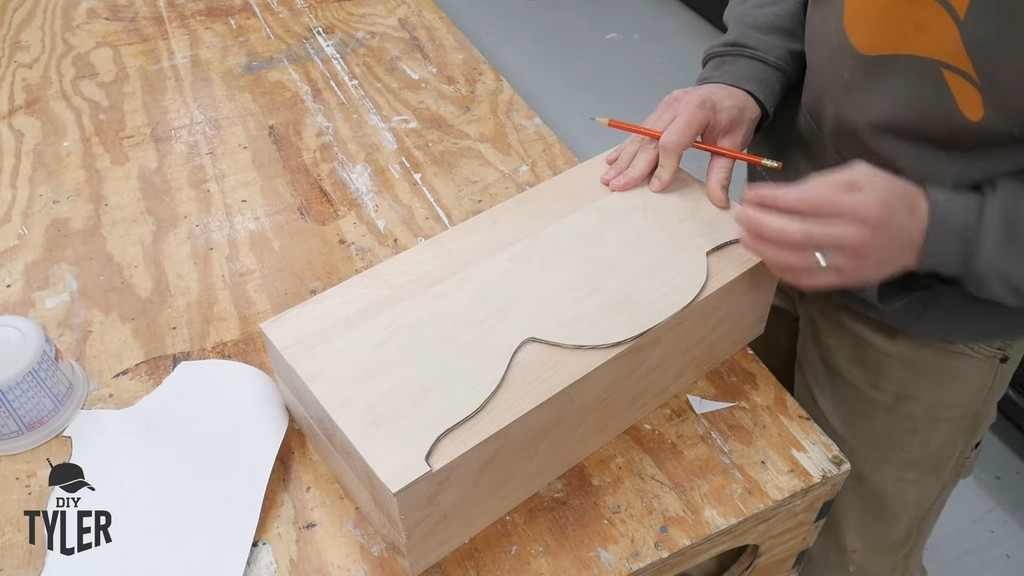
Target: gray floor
[573, 59]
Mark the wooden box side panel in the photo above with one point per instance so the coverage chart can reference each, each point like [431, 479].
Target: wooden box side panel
[354, 475]
[448, 506]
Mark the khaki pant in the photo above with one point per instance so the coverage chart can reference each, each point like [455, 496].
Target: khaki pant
[909, 413]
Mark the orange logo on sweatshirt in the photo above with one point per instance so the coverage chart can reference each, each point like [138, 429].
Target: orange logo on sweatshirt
[922, 28]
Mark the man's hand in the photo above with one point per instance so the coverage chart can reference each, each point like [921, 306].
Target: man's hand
[717, 113]
[870, 226]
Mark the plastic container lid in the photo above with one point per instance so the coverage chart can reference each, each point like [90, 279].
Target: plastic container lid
[22, 344]
[21, 340]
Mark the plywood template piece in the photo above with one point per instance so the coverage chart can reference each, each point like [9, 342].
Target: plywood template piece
[390, 360]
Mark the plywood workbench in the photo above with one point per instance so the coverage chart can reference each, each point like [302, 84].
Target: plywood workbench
[172, 173]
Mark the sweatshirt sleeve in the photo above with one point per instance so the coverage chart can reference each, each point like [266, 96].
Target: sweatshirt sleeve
[762, 51]
[975, 237]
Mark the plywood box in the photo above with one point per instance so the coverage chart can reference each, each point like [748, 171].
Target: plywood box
[448, 384]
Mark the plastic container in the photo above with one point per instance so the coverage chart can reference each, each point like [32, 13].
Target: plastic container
[41, 392]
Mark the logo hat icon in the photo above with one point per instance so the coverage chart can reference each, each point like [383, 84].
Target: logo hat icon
[68, 477]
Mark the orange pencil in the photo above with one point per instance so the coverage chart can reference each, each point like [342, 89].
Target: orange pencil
[735, 155]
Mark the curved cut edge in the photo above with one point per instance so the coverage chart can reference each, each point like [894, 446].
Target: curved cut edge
[440, 438]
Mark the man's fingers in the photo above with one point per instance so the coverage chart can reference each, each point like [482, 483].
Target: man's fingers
[625, 157]
[720, 169]
[645, 161]
[820, 196]
[614, 154]
[798, 268]
[793, 259]
[679, 135]
[718, 180]
[797, 232]
[633, 162]
[787, 244]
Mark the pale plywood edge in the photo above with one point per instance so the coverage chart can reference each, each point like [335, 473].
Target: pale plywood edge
[820, 452]
[451, 504]
[516, 395]
[359, 482]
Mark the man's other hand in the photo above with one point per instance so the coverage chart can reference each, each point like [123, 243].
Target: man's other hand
[869, 224]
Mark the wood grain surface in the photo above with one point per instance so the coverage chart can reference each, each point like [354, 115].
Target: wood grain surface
[172, 173]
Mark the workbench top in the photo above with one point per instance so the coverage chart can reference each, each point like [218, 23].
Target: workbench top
[173, 173]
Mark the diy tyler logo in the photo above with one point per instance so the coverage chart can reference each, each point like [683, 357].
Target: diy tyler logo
[93, 526]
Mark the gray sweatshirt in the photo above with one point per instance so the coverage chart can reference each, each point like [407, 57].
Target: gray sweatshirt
[932, 90]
